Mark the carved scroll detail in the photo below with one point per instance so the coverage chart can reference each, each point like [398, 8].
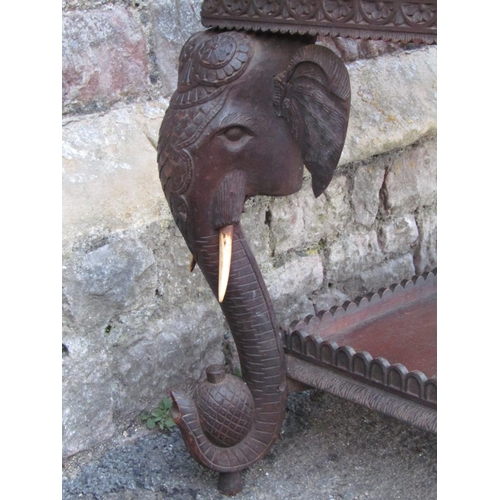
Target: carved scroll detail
[389, 20]
[208, 62]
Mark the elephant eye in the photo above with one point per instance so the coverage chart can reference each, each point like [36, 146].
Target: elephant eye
[234, 134]
[235, 137]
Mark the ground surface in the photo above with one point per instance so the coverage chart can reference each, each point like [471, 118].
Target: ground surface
[329, 449]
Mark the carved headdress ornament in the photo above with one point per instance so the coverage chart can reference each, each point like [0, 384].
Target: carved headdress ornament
[208, 62]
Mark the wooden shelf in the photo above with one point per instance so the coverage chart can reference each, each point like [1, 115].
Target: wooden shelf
[384, 342]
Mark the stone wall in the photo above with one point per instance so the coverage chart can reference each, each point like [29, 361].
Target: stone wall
[136, 322]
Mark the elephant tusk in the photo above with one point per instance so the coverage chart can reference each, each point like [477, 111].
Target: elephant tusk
[192, 264]
[225, 251]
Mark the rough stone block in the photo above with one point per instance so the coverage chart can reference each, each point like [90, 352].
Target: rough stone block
[300, 221]
[110, 173]
[367, 182]
[362, 280]
[167, 353]
[117, 276]
[411, 180]
[328, 298]
[174, 21]
[87, 396]
[352, 253]
[426, 252]
[398, 234]
[330, 213]
[136, 324]
[254, 221]
[87, 4]
[286, 221]
[393, 102]
[105, 58]
[291, 284]
[382, 276]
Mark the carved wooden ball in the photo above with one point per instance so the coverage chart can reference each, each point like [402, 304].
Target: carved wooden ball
[225, 407]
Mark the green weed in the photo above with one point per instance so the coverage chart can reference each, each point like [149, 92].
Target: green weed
[160, 417]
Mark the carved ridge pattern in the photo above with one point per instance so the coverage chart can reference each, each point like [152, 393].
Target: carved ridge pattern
[388, 20]
[360, 393]
[377, 372]
[364, 301]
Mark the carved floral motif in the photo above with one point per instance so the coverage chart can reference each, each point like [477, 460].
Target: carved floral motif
[303, 9]
[378, 11]
[209, 7]
[217, 53]
[207, 64]
[236, 6]
[268, 7]
[338, 9]
[391, 20]
[421, 13]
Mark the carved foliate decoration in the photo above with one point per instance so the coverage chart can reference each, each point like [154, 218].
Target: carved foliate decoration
[180, 129]
[208, 63]
[389, 20]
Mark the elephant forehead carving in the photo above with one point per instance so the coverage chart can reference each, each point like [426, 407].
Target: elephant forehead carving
[208, 62]
[180, 129]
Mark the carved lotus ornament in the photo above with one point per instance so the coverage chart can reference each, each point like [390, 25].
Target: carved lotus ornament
[207, 64]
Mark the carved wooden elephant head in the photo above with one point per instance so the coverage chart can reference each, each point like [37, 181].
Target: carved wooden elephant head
[249, 112]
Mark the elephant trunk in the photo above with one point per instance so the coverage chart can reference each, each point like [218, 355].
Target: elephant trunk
[250, 316]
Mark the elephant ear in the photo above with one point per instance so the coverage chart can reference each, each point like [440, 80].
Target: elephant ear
[313, 94]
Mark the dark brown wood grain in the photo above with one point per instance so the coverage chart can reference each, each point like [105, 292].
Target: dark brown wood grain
[386, 340]
[404, 20]
[405, 335]
[398, 324]
[249, 112]
[251, 109]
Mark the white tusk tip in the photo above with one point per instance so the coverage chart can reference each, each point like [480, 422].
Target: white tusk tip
[225, 253]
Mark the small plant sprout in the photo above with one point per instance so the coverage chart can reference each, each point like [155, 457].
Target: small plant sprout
[160, 417]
